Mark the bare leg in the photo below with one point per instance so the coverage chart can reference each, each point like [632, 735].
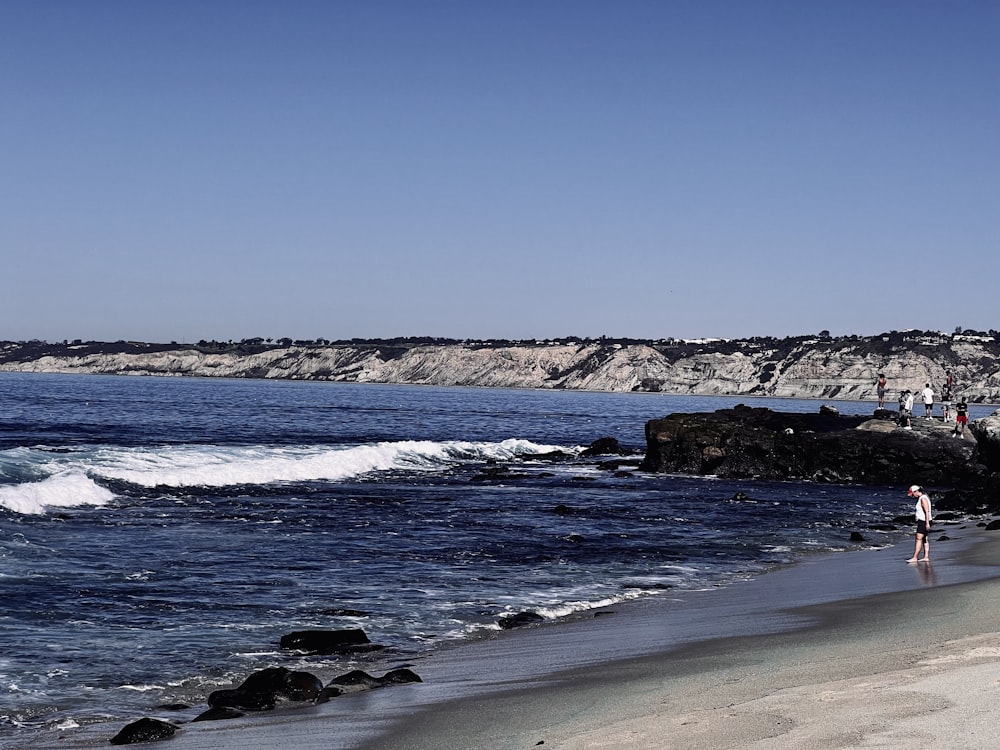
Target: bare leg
[916, 549]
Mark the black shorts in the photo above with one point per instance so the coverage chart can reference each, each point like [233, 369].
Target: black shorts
[922, 527]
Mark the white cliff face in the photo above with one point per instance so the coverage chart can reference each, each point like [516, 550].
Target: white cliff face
[829, 369]
[499, 367]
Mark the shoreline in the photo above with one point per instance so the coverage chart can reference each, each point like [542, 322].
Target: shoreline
[624, 675]
[779, 685]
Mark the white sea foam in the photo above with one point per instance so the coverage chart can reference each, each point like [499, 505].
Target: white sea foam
[570, 607]
[212, 466]
[63, 490]
[70, 476]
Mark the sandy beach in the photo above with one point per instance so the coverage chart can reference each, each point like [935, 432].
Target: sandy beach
[915, 667]
[851, 650]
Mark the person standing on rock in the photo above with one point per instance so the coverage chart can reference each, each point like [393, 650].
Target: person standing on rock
[946, 403]
[928, 396]
[880, 386]
[905, 409]
[923, 512]
[961, 418]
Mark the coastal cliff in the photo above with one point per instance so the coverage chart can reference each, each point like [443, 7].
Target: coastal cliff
[802, 367]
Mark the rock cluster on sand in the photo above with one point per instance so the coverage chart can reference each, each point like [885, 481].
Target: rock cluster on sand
[268, 688]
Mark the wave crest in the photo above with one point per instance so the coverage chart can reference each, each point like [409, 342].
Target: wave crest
[64, 490]
[70, 477]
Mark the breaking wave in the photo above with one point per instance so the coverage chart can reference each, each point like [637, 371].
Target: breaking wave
[49, 479]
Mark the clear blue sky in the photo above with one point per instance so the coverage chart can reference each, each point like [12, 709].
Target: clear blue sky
[172, 171]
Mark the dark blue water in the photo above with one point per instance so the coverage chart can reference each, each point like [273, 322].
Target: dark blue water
[158, 536]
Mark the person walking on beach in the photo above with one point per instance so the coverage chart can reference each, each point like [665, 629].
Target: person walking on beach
[928, 396]
[880, 386]
[923, 512]
[961, 418]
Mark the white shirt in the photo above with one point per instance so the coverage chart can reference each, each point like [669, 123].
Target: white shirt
[921, 515]
[928, 395]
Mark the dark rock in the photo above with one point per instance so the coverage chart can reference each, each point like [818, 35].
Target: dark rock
[399, 677]
[498, 474]
[328, 641]
[993, 525]
[603, 447]
[218, 713]
[262, 690]
[269, 680]
[754, 442]
[857, 536]
[302, 686]
[358, 680]
[328, 693]
[519, 620]
[986, 431]
[564, 510]
[144, 730]
[239, 699]
[550, 456]
[173, 707]
[829, 410]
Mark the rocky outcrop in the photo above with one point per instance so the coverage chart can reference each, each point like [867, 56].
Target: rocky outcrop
[746, 442]
[797, 367]
[987, 434]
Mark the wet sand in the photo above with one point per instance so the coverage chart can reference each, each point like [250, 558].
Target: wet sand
[916, 667]
[847, 650]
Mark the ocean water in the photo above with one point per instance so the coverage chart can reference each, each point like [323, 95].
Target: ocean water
[158, 536]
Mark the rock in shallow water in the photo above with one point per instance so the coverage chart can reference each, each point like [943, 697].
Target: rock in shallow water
[328, 641]
[520, 620]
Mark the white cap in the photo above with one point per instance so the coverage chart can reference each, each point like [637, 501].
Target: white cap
[914, 490]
